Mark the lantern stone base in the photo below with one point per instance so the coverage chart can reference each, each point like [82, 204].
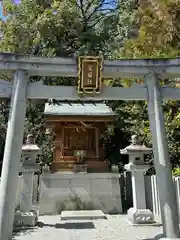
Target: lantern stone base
[25, 219]
[140, 216]
[168, 239]
[161, 237]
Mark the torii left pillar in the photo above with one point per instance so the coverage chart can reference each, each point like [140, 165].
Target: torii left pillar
[12, 154]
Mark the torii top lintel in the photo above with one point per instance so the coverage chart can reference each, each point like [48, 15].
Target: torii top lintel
[43, 66]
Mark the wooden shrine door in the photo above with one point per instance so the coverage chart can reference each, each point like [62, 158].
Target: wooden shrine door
[80, 139]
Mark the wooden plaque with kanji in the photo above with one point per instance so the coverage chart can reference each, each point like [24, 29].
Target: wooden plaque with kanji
[89, 74]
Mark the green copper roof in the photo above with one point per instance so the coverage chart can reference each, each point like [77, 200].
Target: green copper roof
[78, 109]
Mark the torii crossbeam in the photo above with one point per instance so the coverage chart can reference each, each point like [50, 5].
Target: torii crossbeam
[19, 90]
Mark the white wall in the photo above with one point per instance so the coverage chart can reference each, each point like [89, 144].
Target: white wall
[99, 190]
[94, 190]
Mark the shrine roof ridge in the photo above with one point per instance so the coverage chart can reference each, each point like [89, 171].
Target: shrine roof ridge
[78, 109]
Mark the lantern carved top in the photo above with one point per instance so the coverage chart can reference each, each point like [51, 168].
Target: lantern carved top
[135, 147]
[30, 145]
[30, 152]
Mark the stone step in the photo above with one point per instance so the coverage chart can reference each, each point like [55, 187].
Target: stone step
[64, 170]
[64, 165]
[82, 215]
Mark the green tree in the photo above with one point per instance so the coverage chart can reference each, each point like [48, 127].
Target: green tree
[158, 36]
[158, 31]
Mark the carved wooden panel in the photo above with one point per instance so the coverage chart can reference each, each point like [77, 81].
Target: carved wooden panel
[79, 138]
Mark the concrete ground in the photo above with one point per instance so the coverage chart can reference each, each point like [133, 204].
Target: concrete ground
[115, 227]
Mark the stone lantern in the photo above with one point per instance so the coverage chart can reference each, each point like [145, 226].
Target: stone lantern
[30, 152]
[138, 214]
[26, 215]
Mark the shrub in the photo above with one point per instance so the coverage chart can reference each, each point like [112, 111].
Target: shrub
[176, 172]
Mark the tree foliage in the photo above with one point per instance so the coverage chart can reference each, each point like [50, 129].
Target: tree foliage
[158, 36]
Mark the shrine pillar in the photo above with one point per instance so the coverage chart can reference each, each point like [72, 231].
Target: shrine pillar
[97, 142]
[162, 163]
[12, 153]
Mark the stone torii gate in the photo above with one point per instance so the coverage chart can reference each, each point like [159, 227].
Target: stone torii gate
[20, 89]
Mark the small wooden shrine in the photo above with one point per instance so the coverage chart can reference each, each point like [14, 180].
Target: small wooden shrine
[78, 128]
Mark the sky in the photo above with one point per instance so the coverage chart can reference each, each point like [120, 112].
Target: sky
[2, 15]
[111, 3]
[2, 12]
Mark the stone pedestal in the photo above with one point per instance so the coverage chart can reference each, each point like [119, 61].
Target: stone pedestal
[161, 237]
[168, 238]
[139, 214]
[27, 215]
[25, 219]
[27, 191]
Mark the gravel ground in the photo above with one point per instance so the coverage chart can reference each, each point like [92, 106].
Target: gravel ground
[115, 227]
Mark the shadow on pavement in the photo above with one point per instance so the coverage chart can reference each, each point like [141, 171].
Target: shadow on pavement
[148, 239]
[79, 226]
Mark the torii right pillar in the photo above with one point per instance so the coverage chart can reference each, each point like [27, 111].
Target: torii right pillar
[168, 204]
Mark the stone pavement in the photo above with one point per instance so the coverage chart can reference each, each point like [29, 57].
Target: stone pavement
[115, 227]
